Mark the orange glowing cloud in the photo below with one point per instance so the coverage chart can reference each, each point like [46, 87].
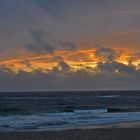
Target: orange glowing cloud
[76, 59]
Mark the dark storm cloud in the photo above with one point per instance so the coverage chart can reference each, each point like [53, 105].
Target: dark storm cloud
[40, 44]
[116, 68]
[45, 42]
[108, 53]
[61, 64]
[79, 80]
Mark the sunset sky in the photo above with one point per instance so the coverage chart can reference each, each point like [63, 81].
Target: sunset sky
[69, 44]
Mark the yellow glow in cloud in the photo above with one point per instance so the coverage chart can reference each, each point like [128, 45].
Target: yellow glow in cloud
[77, 59]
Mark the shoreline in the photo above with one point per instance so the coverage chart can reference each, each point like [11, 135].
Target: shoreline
[125, 124]
[115, 131]
[122, 125]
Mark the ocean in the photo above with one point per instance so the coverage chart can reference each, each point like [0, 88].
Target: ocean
[35, 111]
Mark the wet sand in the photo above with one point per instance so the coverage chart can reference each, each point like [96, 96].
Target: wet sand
[85, 134]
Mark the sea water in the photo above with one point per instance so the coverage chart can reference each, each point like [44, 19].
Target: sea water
[23, 111]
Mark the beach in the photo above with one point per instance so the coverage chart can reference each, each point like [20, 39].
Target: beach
[78, 134]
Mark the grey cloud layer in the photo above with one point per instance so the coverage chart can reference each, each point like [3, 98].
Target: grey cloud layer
[108, 53]
[62, 79]
[45, 42]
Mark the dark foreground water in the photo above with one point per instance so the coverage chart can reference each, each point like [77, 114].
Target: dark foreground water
[64, 110]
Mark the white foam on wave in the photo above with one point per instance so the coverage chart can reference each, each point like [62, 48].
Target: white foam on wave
[47, 121]
[108, 96]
